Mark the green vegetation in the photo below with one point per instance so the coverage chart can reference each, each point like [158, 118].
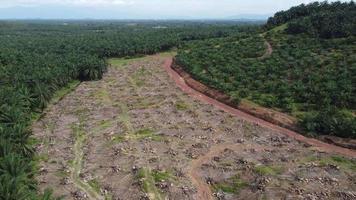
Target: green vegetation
[171, 53]
[137, 78]
[58, 95]
[267, 170]
[138, 135]
[61, 173]
[232, 185]
[149, 179]
[145, 134]
[41, 61]
[104, 124]
[92, 188]
[121, 62]
[118, 139]
[159, 176]
[342, 162]
[94, 184]
[181, 105]
[325, 20]
[309, 75]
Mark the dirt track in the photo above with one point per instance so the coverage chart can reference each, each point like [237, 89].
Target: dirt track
[269, 50]
[141, 137]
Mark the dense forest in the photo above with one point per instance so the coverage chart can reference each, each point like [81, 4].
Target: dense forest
[37, 58]
[311, 73]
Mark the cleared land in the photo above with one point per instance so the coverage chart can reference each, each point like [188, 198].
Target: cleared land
[135, 135]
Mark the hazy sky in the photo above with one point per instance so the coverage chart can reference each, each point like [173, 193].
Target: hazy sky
[150, 9]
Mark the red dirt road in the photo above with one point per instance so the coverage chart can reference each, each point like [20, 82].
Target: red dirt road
[317, 144]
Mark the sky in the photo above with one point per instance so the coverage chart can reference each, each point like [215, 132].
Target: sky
[142, 9]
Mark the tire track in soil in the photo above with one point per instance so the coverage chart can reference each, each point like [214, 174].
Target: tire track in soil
[80, 139]
[152, 192]
[76, 168]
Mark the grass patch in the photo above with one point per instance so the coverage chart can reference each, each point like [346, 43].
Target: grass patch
[61, 174]
[94, 184]
[34, 141]
[108, 197]
[118, 62]
[148, 102]
[118, 139]
[122, 62]
[59, 94]
[149, 180]
[81, 112]
[342, 162]
[170, 53]
[35, 116]
[145, 103]
[138, 135]
[137, 78]
[146, 133]
[148, 184]
[104, 124]
[142, 72]
[103, 96]
[181, 105]
[351, 164]
[232, 185]
[159, 176]
[78, 132]
[280, 28]
[124, 118]
[267, 170]
[44, 157]
[138, 82]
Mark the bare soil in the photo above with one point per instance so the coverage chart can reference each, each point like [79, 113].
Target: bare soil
[269, 50]
[136, 135]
